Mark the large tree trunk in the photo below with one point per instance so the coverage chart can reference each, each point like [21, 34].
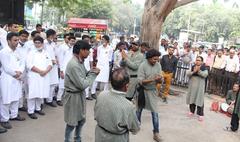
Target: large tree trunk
[155, 13]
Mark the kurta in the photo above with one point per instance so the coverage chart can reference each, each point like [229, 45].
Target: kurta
[104, 56]
[88, 60]
[11, 88]
[237, 106]
[196, 87]
[30, 45]
[65, 56]
[115, 117]
[39, 86]
[3, 38]
[147, 71]
[50, 48]
[75, 82]
[23, 52]
[132, 64]
[231, 96]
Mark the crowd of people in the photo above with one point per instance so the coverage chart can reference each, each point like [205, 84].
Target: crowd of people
[36, 70]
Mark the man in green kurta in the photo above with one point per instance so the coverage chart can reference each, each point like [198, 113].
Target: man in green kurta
[77, 79]
[230, 99]
[115, 115]
[131, 62]
[195, 95]
[149, 74]
[235, 116]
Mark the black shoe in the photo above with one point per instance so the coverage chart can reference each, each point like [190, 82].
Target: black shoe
[40, 112]
[55, 98]
[22, 109]
[6, 125]
[94, 96]
[59, 103]
[33, 116]
[165, 100]
[2, 130]
[42, 106]
[52, 104]
[89, 98]
[18, 118]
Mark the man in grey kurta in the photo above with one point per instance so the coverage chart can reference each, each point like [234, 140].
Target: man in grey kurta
[77, 79]
[115, 115]
[131, 62]
[149, 74]
[195, 96]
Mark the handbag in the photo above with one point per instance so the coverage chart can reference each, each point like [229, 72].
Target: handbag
[141, 96]
[215, 106]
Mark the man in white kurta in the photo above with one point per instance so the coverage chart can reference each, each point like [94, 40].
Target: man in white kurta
[23, 52]
[12, 69]
[65, 55]
[50, 47]
[11, 27]
[104, 56]
[88, 63]
[29, 44]
[3, 35]
[39, 65]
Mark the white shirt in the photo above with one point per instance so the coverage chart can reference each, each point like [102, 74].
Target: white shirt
[104, 56]
[23, 53]
[50, 47]
[63, 48]
[30, 45]
[3, 38]
[162, 51]
[39, 86]
[88, 60]
[11, 88]
[232, 65]
[204, 56]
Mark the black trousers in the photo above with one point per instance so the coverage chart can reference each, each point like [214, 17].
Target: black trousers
[207, 79]
[199, 109]
[234, 122]
[229, 79]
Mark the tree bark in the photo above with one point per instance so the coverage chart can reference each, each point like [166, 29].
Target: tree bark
[155, 13]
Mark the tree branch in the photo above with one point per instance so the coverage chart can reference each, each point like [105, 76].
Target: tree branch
[183, 2]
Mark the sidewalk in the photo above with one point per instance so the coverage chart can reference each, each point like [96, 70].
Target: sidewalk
[174, 125]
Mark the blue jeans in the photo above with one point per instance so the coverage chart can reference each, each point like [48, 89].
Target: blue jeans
[69, 129]
[155, 119]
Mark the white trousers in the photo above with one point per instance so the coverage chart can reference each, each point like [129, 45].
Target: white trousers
[8, 111]
[34, 104]
[59, 94]
[51, 93]
[21, 102]
[87, 92]
[94, 86]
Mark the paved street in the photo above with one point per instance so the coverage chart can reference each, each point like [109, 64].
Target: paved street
[174, 125]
